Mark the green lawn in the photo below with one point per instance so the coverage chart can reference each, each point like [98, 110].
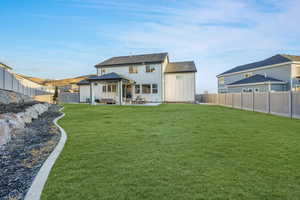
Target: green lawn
[175, 151]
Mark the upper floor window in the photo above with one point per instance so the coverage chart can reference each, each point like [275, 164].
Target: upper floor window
[104, 88]
[178, 77]
[298, 72]
[133, 70]
[247, 75]
[103, 71]
[221, 80]
[150, 68]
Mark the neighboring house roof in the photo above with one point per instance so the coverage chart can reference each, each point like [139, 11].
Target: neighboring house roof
[134, 59]
[180, 67]
[277, 59]
[5, 66]
[257, 78]
[83, 82]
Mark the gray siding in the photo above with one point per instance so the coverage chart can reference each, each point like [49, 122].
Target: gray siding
[282, 73]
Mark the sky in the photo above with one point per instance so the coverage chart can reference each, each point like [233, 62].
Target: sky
[65, 38]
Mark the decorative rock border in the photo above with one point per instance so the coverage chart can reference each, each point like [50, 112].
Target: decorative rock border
[35, 191]
[11, 122]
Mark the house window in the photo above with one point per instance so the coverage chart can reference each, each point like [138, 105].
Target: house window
[154, 89]
[245, 90]
[178, 77]
[250, 90]
[146, 88]
[137, 89]
[256, 90]
[298, 72]
[113, 88]
[247, 75]
[133, 70]
[104, 88]
[150, 68]
[103, 71]
[95, 83]
[109, 88]
[221, 80]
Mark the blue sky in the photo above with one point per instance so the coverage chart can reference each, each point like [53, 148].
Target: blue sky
[66, 38]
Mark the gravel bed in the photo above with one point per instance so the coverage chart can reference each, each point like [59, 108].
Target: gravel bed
[21, 159]
[15, 107]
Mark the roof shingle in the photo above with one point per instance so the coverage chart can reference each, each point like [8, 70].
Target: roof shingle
[257, 78]
[277, 59]
[134, 59]
[177, 67]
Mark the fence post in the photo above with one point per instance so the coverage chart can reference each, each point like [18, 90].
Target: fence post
[4, 79]
[269, 102]
[226, 99]
[242, 100]
[291, 104]
[232, 100]
[253, 101]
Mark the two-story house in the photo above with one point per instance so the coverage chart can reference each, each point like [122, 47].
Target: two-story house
[277, 73]
[150, 77]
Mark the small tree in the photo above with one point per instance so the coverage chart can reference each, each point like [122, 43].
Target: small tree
[55, 96]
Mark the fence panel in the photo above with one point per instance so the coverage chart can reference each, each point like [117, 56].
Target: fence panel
[247, 101]
[296, 104]
[237, 100]
[15, 84]
[8, 80]
[222, 99]
[69, 97]
[2, 78]
[280, 103]
[228, 98]
[261, 102]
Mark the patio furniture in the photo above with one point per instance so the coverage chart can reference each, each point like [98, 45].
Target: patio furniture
[108, 101]
[139, 100]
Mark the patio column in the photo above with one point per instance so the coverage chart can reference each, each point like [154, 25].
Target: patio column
[92, 96]
[120, 92]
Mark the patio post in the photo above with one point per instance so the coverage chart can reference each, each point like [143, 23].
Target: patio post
[120, 92]
[92, 100]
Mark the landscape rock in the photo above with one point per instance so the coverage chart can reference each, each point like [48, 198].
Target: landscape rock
[4, 132]
[10, 123]
[7, 97]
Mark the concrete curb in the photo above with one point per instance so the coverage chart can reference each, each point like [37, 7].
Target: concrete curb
[35, 191]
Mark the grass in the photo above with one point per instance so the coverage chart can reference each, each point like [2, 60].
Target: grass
[175, 152]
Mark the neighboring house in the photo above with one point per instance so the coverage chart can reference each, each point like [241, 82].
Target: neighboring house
[150, 77]
[277, 73]
[71, 88]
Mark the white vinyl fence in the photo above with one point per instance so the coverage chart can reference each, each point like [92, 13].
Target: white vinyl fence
[9, 82]
[278, 103]
[66, 97]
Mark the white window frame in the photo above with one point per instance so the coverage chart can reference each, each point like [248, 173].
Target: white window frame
[138, 86]
[133, 69]
[154, 88]
[150, 69]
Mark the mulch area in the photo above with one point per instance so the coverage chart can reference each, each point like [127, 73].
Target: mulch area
[21, 159]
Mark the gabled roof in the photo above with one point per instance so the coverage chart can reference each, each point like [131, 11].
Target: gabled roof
[277, 59]
[257, 78]
[134, 59]
[181, 67]
[107, 77]
[5, 66]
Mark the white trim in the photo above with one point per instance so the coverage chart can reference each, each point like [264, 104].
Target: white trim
[258, 68]
[35, 191]
[250, 84]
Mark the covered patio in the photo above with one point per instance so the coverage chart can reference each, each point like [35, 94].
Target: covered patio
[120, 88]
